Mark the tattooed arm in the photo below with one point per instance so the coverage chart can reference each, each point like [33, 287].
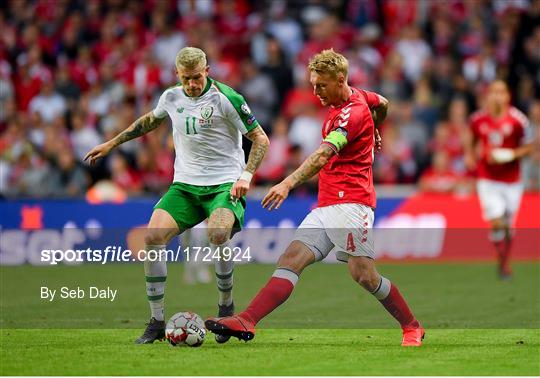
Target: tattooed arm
[379, 112]
[309, 168]
[141, 126]
[258, 149]
[256, 155]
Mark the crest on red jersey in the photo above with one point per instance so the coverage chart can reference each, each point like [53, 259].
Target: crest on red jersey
[495, 138]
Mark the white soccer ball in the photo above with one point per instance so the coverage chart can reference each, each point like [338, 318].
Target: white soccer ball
[185, 328]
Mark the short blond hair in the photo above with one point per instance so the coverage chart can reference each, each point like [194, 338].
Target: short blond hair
[329, 62]
[190, 58]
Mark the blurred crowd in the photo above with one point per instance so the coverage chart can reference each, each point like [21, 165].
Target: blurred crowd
[75, 73]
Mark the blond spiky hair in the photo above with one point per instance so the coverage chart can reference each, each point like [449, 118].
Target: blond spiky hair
[190, 58]
[330, 62]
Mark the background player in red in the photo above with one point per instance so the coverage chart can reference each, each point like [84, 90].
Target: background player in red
[498, 139]
[344, 217]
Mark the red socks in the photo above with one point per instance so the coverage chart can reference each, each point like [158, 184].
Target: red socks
[276, 291]
[395, 304]
[281, 285]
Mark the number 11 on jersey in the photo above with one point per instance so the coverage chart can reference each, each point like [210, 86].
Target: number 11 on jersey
[190, 121]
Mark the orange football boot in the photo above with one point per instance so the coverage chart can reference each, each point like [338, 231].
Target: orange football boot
[413, 336]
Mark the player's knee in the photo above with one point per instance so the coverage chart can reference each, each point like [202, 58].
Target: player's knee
[369, 282]
[498, 224]
[367, 278]
[218, 236]
[296, 257]
[290, 260]
[155, 237]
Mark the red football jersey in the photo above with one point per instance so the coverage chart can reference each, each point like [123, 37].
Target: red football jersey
[507, 131]
[348, 176]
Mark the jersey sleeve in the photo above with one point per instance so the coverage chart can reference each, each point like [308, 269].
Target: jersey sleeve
[160, 109]
[371, 98]
[525, 132]
[236, 109]
[347, 126]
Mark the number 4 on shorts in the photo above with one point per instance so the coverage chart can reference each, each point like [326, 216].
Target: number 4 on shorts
[350, 243]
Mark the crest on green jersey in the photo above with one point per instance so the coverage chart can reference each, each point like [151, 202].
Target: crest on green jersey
[245, 109]
[206, 112]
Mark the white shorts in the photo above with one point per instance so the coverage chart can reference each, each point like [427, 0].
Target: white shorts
[499, 199]
[346, 228]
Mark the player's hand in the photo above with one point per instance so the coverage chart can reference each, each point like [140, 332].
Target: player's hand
[98, 152]
[239, 189]
[378, 141]
[275, 197]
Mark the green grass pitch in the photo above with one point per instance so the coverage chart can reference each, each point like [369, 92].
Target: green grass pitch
[476, 325]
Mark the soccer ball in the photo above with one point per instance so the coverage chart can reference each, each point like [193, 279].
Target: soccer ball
[185, 328]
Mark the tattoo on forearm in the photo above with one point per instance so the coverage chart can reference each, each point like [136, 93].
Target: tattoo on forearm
[141, 126]
[258, 150]
[311, 166]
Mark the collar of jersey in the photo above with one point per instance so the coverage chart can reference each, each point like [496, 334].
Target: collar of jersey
[346, 102]
[208, 85]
